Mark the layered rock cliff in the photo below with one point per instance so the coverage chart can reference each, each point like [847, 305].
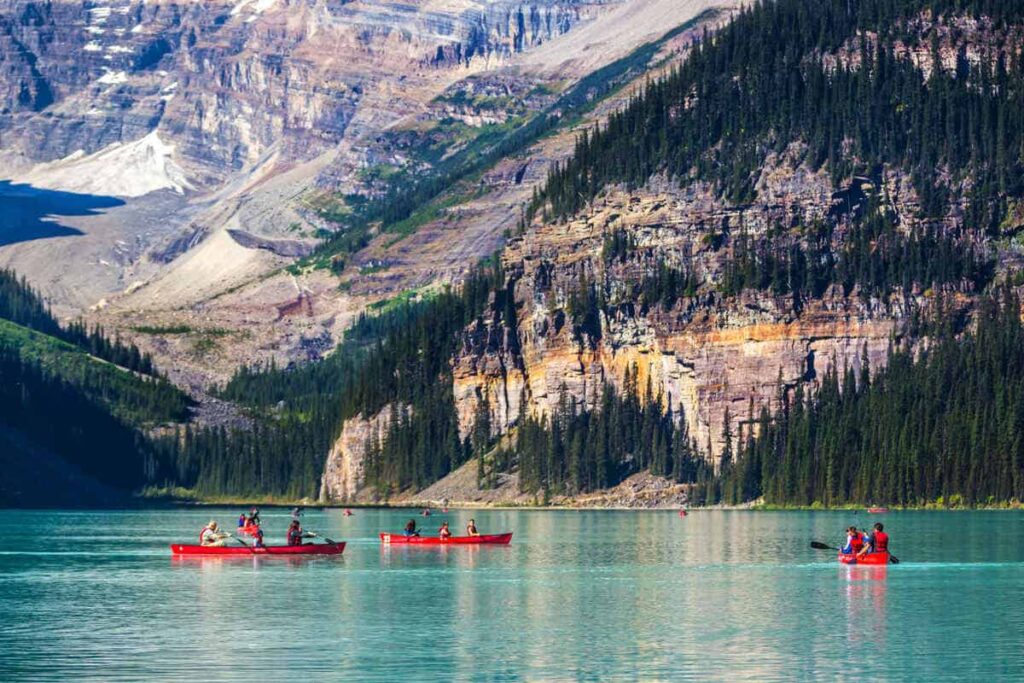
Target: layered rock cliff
[707, 353]
[228, 82]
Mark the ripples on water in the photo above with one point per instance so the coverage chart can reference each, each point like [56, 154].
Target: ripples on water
[729, 596]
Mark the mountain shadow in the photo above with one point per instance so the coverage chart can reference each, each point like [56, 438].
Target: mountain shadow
[28, 213]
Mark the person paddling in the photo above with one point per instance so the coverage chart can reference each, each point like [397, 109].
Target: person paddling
[471, 528]
[877, 541]
[410, 528]
[444, 532]
[254, 517]
[854, 541]
[210, 536]
[296, 534]
[257, 538]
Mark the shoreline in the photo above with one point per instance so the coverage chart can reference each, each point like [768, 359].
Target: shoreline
[471, 505]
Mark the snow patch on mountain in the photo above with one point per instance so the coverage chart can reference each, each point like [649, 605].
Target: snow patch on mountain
[128, 169]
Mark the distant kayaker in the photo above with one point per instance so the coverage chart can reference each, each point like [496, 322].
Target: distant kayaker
[296, 513]
[877, 541]
[347, 513]
[444, 531]
[410, 528]
[426, 512]
[210, 536]
[854, 541]
[296, 534]
[471, 528]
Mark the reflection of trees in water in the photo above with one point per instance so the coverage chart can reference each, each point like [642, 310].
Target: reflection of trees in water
[27, 213]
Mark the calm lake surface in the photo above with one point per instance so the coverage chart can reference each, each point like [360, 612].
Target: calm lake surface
[597, 596]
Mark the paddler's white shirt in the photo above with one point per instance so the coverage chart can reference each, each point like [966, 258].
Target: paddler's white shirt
[209, 535]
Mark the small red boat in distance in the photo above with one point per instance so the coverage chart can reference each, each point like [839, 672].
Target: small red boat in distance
[869, 559]
[878, 511]
[290, 550]
[486, 539]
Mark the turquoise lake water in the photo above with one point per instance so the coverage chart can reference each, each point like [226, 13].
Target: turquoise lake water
[597, 596]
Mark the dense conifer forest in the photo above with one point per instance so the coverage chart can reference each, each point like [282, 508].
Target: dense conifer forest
[760, 84]
[399, 357]
[946, 427]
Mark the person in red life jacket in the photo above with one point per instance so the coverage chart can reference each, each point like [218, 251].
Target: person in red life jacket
[210, 536]
[854, 541]
[444, 532]
[296, 534]
[471, 528]
[877, 542]
[257, 538]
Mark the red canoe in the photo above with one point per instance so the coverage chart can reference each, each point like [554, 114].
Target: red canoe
[305, 549]
[870, 558]
[399, 539]
[878, 511]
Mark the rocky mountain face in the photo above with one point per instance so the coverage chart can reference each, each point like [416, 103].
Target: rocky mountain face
[227, 82]
[704, 355]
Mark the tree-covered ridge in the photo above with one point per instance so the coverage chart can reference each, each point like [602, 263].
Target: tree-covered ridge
[21, 304]
[61, 417]
[133, 398]
[87, 411]
[753, 88]
[947, 426]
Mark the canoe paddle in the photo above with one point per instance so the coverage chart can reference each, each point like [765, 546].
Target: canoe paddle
[323, 537]
[251, 549]
[821, 546]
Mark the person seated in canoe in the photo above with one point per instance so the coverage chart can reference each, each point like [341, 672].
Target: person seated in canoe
[296, 534]
[854, 541]
[876, 542]
[410, 528]
[254, 517]
[471, 528]
[211, 536]
[444, 532]
[257, 538]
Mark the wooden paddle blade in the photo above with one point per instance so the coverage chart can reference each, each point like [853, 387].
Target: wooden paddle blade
[893, 559]
[821, 546]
